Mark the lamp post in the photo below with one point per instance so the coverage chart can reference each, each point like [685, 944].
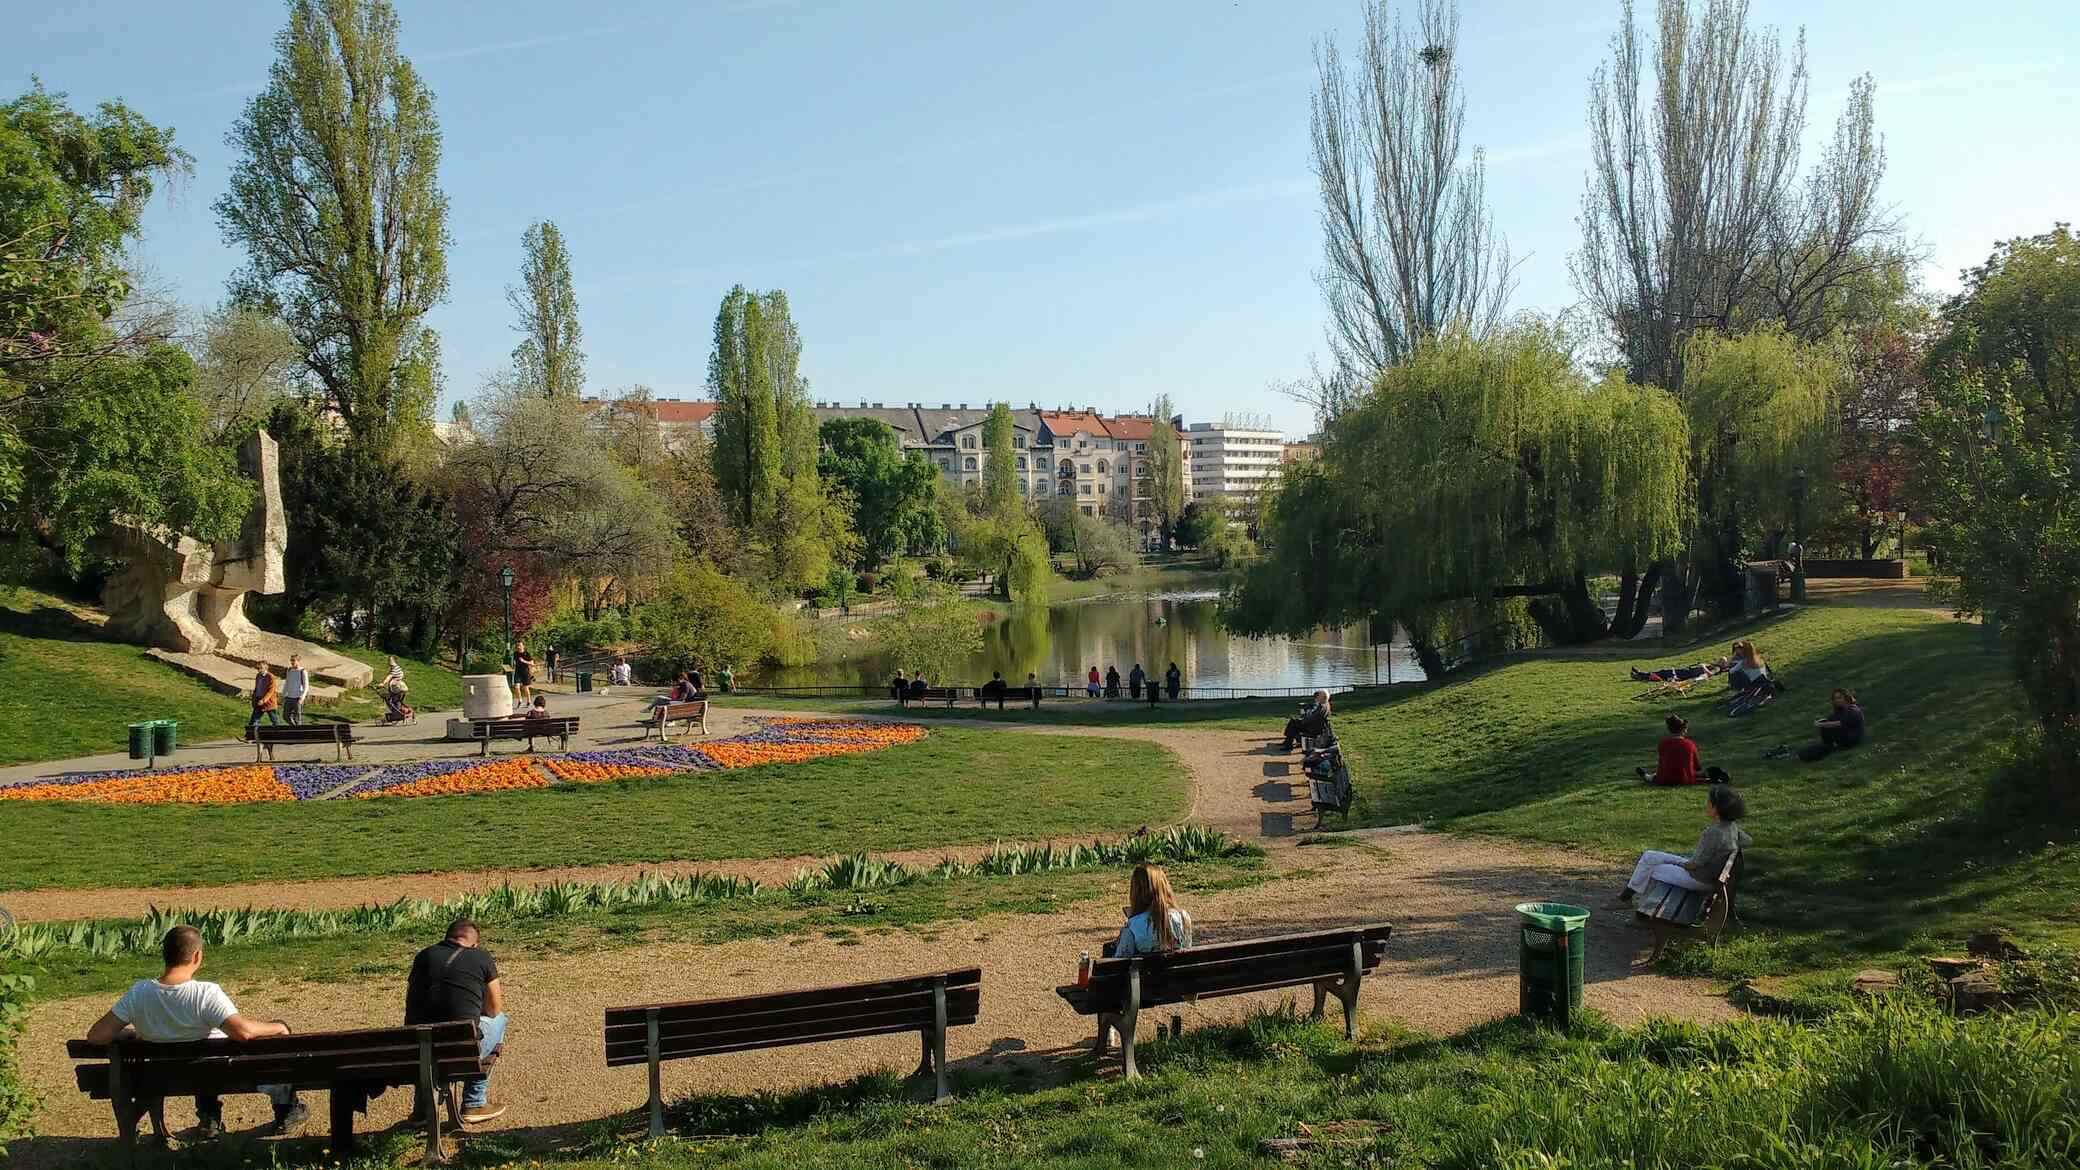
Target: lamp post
[505, 582]
[1798, 536]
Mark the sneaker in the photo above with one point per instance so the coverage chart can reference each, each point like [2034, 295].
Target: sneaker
[1645, 777]
[479, 1114]
[291, 1117]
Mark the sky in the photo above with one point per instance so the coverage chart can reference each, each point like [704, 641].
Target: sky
[1052, 202]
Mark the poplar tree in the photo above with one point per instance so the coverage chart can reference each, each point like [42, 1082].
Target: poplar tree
[336, 201]
[1165, 469]
[548, 359]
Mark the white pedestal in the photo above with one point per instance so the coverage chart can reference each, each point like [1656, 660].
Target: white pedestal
[486, 696]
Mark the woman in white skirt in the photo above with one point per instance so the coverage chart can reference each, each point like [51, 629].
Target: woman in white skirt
[1721, 839]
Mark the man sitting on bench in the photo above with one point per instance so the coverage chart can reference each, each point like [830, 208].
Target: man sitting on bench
[177, 1006]
[455, 979]
[1312, 723]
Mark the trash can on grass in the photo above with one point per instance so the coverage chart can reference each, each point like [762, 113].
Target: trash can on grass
[165, 736]
[1551, 939]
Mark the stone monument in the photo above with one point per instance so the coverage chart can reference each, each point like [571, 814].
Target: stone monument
[187, 599]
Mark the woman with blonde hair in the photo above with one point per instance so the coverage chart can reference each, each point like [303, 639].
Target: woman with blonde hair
[1155, 922]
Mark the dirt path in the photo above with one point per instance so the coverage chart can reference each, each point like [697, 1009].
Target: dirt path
[1236, 787]
[1452, 963]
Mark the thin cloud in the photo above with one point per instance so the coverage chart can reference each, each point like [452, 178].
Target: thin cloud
[1535, 151]
[460, 53]
[1138, 213]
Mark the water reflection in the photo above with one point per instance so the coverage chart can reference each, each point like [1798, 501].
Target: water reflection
[1062, 643]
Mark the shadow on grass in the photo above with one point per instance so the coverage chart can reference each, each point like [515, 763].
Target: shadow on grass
[52, 623]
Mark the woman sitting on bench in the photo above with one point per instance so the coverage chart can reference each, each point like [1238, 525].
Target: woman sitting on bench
[1155, 922]
[1722, 837]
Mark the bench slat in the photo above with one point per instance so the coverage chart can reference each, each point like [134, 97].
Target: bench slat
[1231, 968]
[138, 1052]
[792, 1013]
[732, 1006]
[692, 1039]
[751, 1045]
[171, 1080]
[304, 733]
[1257, 975]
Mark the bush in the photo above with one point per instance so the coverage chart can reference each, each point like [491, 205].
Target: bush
[17, 1104]
[570, 632]
[702, 620]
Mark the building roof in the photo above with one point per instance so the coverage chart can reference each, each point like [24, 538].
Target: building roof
[1137, 428]
[1068, 422]
[667, 411]
[919, 426]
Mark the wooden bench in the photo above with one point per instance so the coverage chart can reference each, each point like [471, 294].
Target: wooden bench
[267, 737]
[562, 727]
[136, 1077]
[1333, 792]
[946, 695]
[1670, 908]
[926, 1004]
[665, 714]
[1333, 962]
[1020, 694]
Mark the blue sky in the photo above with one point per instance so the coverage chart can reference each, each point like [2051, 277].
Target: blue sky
[1051, 202]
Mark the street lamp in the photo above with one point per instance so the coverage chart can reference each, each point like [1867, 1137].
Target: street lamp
[1798, 536]
[505, 581]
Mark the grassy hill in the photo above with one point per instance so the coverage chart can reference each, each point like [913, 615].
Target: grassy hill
[66, 690]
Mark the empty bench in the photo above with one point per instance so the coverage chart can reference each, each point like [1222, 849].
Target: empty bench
[1670, 908]
[685, 714]
[561, 728]
[267, 737]
[135, 1077]
[1333, 962]
[926, 1004]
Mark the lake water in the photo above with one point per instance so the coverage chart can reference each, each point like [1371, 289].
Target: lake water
[1154, 629]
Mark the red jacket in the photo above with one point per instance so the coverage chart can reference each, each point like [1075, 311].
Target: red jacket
[1678, 761]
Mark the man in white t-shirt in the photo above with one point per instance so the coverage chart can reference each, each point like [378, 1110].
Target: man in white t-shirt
[295, 685]
[177, 1006]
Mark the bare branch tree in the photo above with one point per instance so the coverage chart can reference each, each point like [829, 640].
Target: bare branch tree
[1408, 245]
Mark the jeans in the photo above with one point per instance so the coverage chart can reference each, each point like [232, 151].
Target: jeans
[210, 1107]
[1656, 866]
[491, 1032]
[273, 720]
[292, 709]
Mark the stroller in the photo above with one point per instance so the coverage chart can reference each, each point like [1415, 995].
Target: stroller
[1329, 787]
[395, 709]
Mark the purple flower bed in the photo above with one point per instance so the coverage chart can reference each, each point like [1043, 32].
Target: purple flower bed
[665, 756]
[396, 774]
[311, 781]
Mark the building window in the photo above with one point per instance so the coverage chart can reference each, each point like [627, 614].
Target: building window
[1086, 489]
[1043, 463]
[945, 464]
[1040, 487]
[1102, 469]
[968, 441]
[1101, 489]
[1019, 441]
[1021, 487]
[1141, 448]
[1021, 463]
[1086, 469]
[971, 463]
[1087, 510]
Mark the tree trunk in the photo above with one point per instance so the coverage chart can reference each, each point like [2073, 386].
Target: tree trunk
[1677, 595]
[1635, 600]
[1428, 657]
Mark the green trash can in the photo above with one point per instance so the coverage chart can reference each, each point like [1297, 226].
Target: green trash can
[165, 735]
[584, 682]
[1551, 940]
[140, 740]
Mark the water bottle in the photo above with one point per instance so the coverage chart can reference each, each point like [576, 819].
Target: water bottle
[1083, 970]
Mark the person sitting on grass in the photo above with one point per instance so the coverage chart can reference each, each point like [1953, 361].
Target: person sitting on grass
[622, 675]
[1313, 723]
[1722, 837]
[177, 1006]
[1682, 673]
[1677, 761]
[1749, 672]
[1841, 727]
[455, 979]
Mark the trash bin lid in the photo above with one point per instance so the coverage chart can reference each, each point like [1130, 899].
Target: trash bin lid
[1553, 915]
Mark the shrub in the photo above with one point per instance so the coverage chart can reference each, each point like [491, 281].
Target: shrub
[17, 1104]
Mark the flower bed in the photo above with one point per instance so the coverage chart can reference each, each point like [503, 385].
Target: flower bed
[780, 740]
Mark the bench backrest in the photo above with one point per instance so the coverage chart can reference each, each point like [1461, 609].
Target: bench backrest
[385, 1056]
[1257, 964]
[706, 1026]
[321, 732]
[939, 693]
[553, 725]
[690, 709]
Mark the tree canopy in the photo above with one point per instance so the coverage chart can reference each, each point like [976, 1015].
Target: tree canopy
[894, 494]
[548, 360]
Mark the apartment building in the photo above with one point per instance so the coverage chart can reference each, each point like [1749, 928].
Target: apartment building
[1237, 457]
[677, 418]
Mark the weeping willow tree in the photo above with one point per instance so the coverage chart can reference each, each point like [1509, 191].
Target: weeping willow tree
[1477, 472]
[1761, 410]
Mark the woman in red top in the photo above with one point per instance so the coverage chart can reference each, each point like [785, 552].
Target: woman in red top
[1677, 757]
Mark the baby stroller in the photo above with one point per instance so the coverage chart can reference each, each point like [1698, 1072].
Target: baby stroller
[1329, 787]
[395, 709]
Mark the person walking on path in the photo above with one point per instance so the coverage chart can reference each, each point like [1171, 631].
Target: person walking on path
[555, 660]
[523, 673]
[456, 979]
[727, 680]
[1173, 681]
[177, 1006]
[295, 685]
[266, 697]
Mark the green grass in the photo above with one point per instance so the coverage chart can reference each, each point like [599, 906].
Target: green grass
[958, 786]
[66, 691]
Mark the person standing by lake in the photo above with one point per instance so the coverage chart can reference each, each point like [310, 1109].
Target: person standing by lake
[295, 685]
[1136, 679]
[1173, 681]
[1091, 683]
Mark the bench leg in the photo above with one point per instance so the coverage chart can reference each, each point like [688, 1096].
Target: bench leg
[451, 1098]
[344, 1102]
[656, 1078]
[120, 1100]
[1129, 1018]
[1348, 992]
[484, 746]
[427, 1089]
[940, 1095]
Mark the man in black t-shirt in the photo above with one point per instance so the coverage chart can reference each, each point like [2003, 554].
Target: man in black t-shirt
[455, 979]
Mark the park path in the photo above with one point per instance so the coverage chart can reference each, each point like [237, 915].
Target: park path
[1451, 964]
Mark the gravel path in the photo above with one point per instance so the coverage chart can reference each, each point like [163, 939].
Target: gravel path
[1452, 963]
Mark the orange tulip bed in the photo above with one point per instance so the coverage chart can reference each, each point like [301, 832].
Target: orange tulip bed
[780, 740]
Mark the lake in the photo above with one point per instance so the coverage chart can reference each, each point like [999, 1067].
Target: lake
[1153, 629]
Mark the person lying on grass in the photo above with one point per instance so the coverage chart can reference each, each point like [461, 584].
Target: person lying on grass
[1312, 722]
[177, 1006]
[1677, 762]
[1682, 673]
[1721, 839]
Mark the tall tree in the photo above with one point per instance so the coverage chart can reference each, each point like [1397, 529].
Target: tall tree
[246, 362]
[999, 474]
[1996, 452]
[894, 494]
[1165, 469]
[1695, 216]
[1408, 245]
[336, 201]
[548, 359]
[747, 417]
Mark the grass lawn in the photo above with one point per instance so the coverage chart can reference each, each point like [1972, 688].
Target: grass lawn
[958, 786]
[66, 691]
